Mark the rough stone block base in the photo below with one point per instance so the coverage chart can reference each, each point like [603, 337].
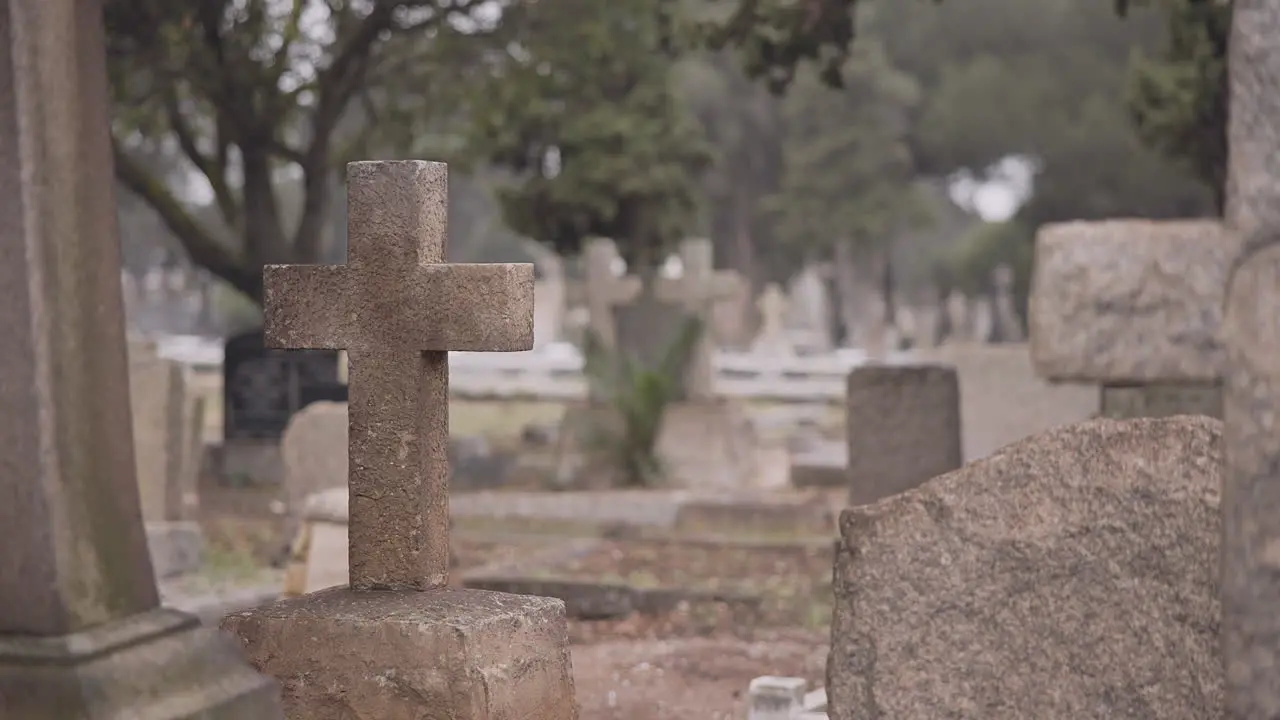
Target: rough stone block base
[446, 653]
[1158, 400]
[161, 665]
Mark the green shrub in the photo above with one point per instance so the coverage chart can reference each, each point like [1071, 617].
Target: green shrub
[637, 398]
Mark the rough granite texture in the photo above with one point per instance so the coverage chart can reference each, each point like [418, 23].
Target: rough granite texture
[1129, 300]
[1251, 493]
[443, 654]
[397, 309]
[1070, 575]
[903, 427]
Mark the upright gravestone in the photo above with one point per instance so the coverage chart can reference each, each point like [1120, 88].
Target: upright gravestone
[809, 311]
[903, 427]
[411, 647]
[1251, 490]
[263, 388]
[549, 301]
[772, 340]
[1136, 306]
[1072, 574]
[82, 633]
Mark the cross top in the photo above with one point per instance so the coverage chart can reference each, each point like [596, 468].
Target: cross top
[402, 222]
[605, 288]
[398, 309]
[696, 290]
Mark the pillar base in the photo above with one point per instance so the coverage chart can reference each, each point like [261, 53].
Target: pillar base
[160, 665]
[392, 655]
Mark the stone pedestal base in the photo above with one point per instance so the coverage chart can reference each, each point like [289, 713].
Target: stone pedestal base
[161, 665]
[710, 443]
[446, 653]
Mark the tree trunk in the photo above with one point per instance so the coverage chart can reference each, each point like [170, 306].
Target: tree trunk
[845, 270]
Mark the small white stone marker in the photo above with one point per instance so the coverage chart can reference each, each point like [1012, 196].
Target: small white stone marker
[775, 698]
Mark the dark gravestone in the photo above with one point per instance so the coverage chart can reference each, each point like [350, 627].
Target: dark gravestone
[647, 329]
[263, 388]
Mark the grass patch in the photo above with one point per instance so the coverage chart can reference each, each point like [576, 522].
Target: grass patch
[501, 421]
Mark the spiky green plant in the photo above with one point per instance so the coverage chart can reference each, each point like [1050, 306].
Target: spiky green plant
[638, 397]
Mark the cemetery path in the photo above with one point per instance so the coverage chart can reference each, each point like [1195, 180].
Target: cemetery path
[702, 678]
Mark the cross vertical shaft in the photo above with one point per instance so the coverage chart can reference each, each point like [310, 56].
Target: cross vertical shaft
[398, 469]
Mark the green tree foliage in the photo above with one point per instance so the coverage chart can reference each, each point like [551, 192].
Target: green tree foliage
[986, 247]
[742, 122]
[638, 398]
[776, 36]
[848, 168]
[582, 110]
[252, 92]
[1178, 98]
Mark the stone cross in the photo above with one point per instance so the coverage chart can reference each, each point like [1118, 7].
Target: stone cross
[772, 338]
[82, 633]
[605, 289]
[697, 288]
[1135, 306]
[398, 309]
[1251, 485]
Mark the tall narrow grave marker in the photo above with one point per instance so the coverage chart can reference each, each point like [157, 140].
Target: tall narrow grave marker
[81, 631]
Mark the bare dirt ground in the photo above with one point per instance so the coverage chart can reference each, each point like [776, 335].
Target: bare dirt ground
[688, 678]
[691, 664]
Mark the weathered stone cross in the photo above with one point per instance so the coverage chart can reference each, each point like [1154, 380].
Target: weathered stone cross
[696, 290]
[398, 309]
[604, 289]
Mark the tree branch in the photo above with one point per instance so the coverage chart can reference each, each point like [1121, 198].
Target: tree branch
[202, 247]
[213, 169]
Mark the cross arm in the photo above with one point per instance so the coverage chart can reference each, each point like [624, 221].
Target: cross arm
[480, 307]
[1130, 300]
[305, 307]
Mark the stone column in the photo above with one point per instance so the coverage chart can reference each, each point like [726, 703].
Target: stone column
[81, 631]
[1251, 392]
